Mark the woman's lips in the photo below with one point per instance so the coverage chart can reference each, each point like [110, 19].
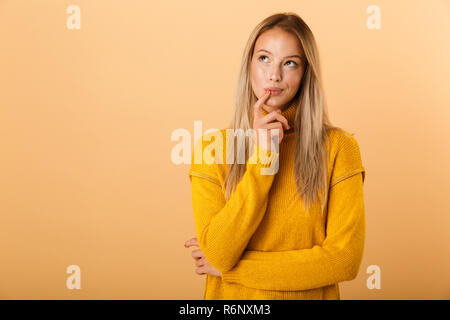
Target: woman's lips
[275, 92]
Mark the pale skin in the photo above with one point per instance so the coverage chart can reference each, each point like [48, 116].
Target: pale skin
[277, 61]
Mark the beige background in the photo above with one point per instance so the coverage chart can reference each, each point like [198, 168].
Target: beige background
[86, 117]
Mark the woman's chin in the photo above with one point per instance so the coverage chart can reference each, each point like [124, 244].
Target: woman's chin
[274, 104]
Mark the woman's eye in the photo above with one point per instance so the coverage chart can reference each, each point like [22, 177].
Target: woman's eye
[294, 63]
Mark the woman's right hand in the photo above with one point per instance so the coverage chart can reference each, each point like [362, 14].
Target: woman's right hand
[273, 120]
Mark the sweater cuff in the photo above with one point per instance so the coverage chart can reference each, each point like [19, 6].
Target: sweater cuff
[231, 276]
[266, 161]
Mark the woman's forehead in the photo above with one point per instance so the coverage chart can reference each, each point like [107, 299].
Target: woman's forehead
[278, 42]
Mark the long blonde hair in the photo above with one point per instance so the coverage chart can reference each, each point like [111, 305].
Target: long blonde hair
[311, 119]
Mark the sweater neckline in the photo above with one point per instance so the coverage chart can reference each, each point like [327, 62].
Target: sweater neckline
[288, 113]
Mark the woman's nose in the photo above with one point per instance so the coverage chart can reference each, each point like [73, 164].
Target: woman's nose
[275, 75]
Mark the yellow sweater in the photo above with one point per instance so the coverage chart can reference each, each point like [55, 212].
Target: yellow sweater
[261, 239]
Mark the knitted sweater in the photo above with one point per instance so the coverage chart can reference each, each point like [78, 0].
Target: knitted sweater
[261, 240]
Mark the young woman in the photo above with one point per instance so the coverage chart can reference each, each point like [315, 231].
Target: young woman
[296, 233]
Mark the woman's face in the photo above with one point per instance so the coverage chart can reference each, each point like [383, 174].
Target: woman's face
[278, 61]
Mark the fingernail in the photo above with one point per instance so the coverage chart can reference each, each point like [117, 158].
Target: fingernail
[267, 91]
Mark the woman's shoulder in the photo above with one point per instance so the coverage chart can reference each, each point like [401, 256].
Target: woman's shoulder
[342, 139]
[345, 155]
[211, 150]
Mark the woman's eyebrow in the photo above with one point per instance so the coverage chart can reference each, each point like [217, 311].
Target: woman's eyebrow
[293, 56]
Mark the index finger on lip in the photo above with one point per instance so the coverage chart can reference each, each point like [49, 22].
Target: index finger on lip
[258, 105]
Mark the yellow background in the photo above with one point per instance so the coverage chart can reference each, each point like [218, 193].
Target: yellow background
[86, 118]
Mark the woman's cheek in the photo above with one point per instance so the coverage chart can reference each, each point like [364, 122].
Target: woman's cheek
[261, 74]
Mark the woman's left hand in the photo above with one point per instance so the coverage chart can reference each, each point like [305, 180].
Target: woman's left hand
[203, 266]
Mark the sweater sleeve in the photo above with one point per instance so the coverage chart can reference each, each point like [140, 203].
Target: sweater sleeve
[224, 228]
[337, 259]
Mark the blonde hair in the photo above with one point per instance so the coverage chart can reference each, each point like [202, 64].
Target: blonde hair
[311, 118]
